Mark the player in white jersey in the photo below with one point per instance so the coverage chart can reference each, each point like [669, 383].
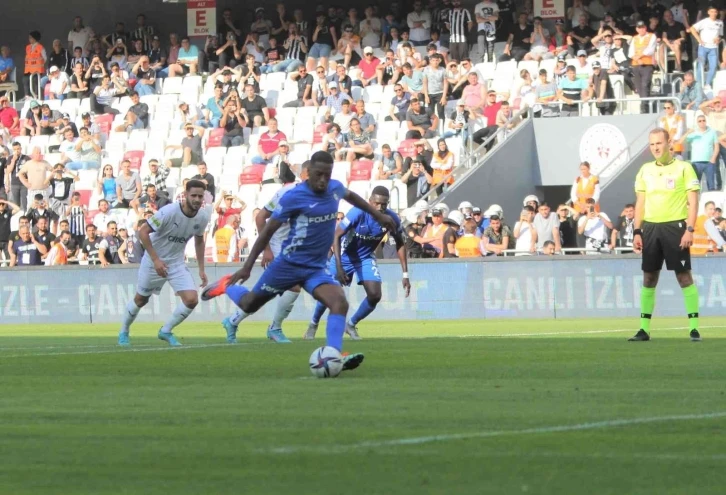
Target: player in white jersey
[272, 251]
[164, 237]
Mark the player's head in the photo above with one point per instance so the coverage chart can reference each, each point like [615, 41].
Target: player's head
[304, 169]
[380, 198]
[659, 145]
[194, 194]
[320, 171]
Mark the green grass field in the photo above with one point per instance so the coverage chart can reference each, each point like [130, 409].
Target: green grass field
[464, 407]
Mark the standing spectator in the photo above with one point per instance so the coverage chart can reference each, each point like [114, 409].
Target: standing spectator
[547, 227]
[42, 234]
[468, 245]
[417, 179]
[586, 186]
[91, 246]
[419, 24]
[206, 178]
[39, 209]
[602, 90]
[708, 33]
[61, 58]
[691, 95]
[102, 218]
[7, 211]
[435, 86]
[304, 89]
[156, 177]
[294, 49]
[143, 32]
[61, 188]
[226, 248]
[80, 35]
[224, 207]
[622, 234]
[594, 226]
[459, 23]
[145, 77]
[106, 184]
[572, 90]
[641, 53]
[487, 17]
[228, 30]
[128, 185]
[567, 217]
[27, 250]
[35, 58]
[525, 233]
[76, 215]
[370, 29]
[269, 144]
[412, 81]
[33, 173]
[705, 150]
[324, 39]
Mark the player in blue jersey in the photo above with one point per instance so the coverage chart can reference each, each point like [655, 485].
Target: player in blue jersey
[361, 235]
[311, 209]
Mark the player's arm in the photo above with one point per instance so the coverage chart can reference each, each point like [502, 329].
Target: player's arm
[199, 251]
[262, 241]
[260, 221]
[360, 203]
[403, 259]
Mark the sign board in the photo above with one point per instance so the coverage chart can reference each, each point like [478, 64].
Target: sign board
[202, 17]
[549, 9]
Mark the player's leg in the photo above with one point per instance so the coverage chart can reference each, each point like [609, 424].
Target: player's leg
[367, 273]
[679, 261]
[652, 261]
[320, 308]
[283, 310]
[133, 307]
[181, 280]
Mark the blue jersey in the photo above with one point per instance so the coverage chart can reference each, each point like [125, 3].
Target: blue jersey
[363, 234]
[312, 223]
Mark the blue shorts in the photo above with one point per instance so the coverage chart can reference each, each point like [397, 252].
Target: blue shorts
[282, 275]
[319, 50]
[365, 270]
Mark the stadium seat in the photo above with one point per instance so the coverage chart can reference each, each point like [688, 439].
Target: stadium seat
[719, 81]
[531, 66]
[135, 157]
[85, 196]
[252, 174]
[320, 131]
[341, 171]
[486, 70]
[360, 187]
[172, 85]
[248, 193]
[215, 138]
[373, 94]
[361, 170]
[266, 193]
[407, 148]
[215, 154]
[104, 123]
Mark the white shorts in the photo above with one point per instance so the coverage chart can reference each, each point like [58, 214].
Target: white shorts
[149, 282]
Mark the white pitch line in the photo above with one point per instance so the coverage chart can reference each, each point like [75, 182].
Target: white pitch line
[374, 444]
[120, 350]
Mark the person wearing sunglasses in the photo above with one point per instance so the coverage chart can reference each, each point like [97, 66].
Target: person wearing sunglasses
[673, 122]
[705, 150]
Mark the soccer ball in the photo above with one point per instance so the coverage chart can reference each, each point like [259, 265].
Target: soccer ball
[326, 362]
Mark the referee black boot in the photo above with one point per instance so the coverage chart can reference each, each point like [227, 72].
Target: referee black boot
[695, 336]
[641, 336]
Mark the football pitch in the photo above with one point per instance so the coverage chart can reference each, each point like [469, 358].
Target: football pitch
[459, 407]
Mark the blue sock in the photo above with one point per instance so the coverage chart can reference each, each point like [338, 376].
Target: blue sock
[364, 310]
[236, 292]
[318, 313]
[334, 331]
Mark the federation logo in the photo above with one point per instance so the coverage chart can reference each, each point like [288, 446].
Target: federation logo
[605, 147]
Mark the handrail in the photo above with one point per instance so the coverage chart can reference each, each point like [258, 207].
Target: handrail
[651, 100]
[476, 156]
[562, 251]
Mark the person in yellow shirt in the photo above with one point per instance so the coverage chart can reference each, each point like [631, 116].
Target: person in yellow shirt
[586, 186]
[665, 214]
[225, 242]
[467, 246]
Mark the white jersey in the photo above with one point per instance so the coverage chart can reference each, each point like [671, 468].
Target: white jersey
[172, 229]
[281, 234]
[486, 9]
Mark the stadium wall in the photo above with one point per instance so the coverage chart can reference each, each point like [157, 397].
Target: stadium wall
[525, 287]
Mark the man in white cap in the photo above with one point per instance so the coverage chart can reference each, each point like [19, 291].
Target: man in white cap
[59, 84]
[367, 66]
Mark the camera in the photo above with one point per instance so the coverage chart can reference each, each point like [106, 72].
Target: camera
[230, 36]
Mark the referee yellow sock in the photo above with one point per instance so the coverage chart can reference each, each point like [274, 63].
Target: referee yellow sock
[690, 297]
[647, 304]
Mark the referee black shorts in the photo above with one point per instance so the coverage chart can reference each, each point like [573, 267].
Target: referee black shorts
[661, 242]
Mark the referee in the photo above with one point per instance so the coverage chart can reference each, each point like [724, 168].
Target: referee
[665, 213]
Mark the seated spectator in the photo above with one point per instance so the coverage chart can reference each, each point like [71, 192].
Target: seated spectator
[389, 71]
[9, 118]
[442, 163]
[279, 170]
[59, 84]
[495, 238]
[367, 121]
[103, 95]
[580, 36]
[187, 114]
[468, 245]
[157, 56]
[343, 118]
[359, 143]
[691, 95]
[304, 89]
[6, 63]
[67, 124]
[208, 179]
[128, 185]
[135, 53]
[273, 56]
[269, 144]
[594, 226]
[151, 200]
[333, 142]
[399, 105]
[213, 109]
[417, 179]
[334, 101]
[523, 90]
[87, 152]
[367, 66]
[67, 147]
[120, 78]
[320, 86]
[31, 127]
[249, 74]
[145, 77]
[49, 120]
[458, 124]
[157, 176]
[390, 165]
[344, 81]
[254, 107]
[191, 146]
[233, 123]
[141, 110]
[106, 184]
[539, 42]
[474, 93]
[187, 60]
[420, 123]
[558, 41]
[94, 73]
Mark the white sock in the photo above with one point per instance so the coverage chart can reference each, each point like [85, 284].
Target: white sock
[284, 307]
[132, 311]
[238, 316]
[179, 315]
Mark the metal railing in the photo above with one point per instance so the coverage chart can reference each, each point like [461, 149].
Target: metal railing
[654, 103]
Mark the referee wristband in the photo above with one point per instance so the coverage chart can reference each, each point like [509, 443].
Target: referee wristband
[637, 232]
[405, 274]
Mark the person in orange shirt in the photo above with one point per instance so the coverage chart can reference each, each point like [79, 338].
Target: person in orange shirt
[468, 245]
[641, 52]
[35, 57]
[673, 122]
[706, 235]
[586, 186]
